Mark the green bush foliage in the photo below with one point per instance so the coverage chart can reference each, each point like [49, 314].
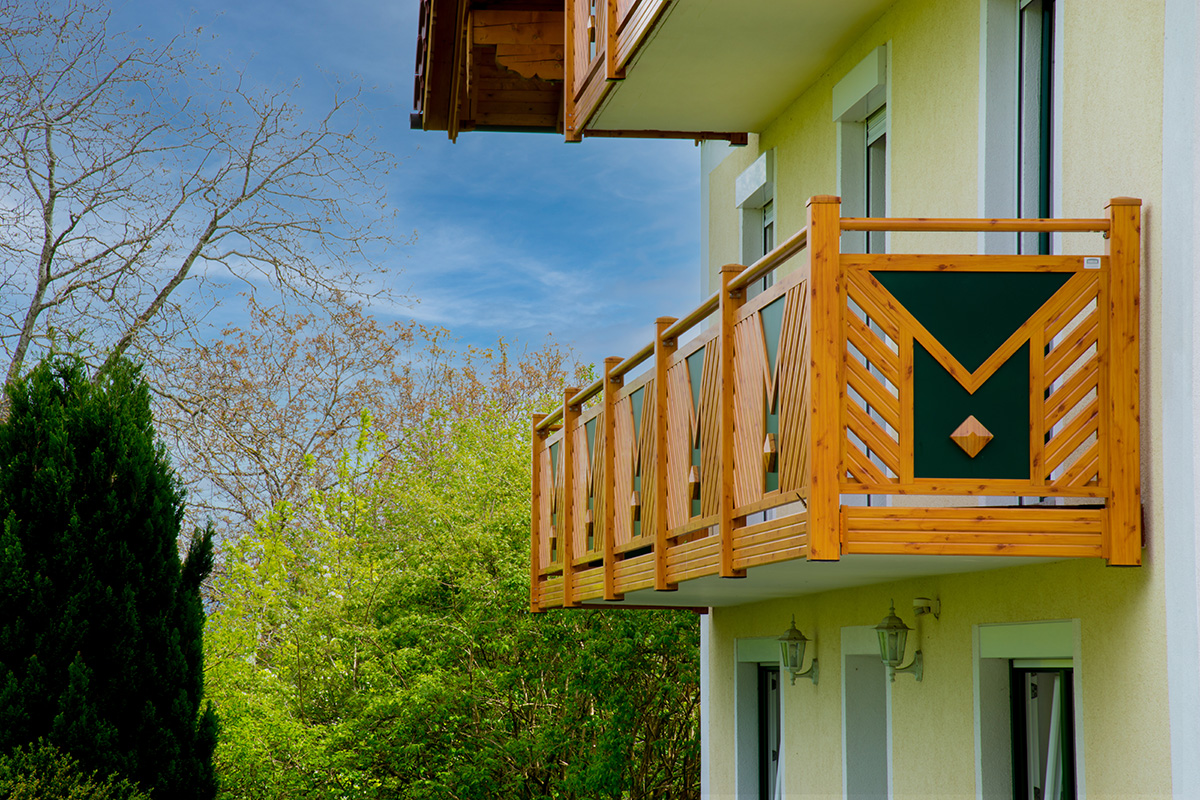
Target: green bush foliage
[46, 773]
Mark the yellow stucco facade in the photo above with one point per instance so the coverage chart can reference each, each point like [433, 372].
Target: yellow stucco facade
[1108, 143]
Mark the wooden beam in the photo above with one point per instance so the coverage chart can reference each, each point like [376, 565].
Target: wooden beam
[570, 418]
[826, 298]
[663, 350]
[494, 26]
[612, 383]
[569, 131]
[1124, 471]
[538, 443]
[734, 138]
[728, 304]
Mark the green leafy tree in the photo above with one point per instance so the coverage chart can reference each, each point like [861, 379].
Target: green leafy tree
[100, 624]
[388, 652]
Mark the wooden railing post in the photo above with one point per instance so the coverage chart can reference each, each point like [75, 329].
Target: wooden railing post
[729, 303]
[663, 350]
[538, 443]
[566, 513]
[609, 488]
[826, 299]
[1124, 530]
[569, 56]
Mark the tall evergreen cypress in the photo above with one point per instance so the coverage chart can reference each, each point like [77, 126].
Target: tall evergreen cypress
[100, 623]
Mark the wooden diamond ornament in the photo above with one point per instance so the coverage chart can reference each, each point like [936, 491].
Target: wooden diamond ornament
[971, 436]
[694, 482]
[770, 453]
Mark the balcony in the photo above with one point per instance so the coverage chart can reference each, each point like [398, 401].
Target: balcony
[626, 68]
[864, 419]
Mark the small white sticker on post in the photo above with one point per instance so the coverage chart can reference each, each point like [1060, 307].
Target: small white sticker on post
[1091, 262]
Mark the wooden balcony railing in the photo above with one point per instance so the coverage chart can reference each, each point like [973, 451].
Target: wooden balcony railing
[887, 375]
[601, 37]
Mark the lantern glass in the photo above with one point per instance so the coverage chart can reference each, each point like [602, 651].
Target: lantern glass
[893, 635]
[791, 648]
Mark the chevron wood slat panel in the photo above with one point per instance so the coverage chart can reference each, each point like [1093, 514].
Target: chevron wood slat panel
[749, 404]
[792, 386]
[680, 427]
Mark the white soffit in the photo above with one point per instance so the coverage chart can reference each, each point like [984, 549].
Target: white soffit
[731, 65]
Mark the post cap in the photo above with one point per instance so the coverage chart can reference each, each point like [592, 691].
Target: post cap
[823, 198]
[1124, 201]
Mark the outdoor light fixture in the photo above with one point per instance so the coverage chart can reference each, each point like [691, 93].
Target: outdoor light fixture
[893, 634]
[791, 654]
[923, 605]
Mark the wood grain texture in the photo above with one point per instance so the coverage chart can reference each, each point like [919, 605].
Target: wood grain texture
[663, 350]
[537, 446]
[1124, 467]
[826, 301]
[730, 301]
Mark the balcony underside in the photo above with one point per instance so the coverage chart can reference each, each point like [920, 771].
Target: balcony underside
[730, 66]
[801, 577]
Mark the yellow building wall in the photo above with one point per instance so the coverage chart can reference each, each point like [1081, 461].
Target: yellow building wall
[1111, 140]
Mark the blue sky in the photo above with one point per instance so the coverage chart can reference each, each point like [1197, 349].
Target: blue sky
[518, 235]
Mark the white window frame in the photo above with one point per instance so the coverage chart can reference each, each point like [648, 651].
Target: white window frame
[861, 93]
[1053, 642]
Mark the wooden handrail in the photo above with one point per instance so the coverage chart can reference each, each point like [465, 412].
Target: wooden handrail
[631, 363]
[701, 311]
[587, 392]
[792, 245]
[950, 225]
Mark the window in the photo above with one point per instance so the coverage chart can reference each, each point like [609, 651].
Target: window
[860, 111]
[769, 733]
[755, 197]
[758, 719]
[1035, 62]
[1026, 716]
[1019, 129]
[876, 175]
[1043, 731]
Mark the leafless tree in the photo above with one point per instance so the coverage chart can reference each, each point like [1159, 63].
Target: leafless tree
[132, 177]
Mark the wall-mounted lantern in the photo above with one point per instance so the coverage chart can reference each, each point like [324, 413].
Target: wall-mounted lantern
[893, 635]
[791, 654]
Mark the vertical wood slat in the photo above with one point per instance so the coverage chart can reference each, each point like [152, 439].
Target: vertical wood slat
[663, 350]
[569, 132]
[1124, 471]
[538, 442]
[907, 431]
[611, 385]
[730, 301]
[570, 418]
[1037, 405]
[612, 70]
[826, 299]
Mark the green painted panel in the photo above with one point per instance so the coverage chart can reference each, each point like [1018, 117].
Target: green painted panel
[772, 418]
[940, 404]
[589, 428]
[635, 400]
[554, 464]
[972, 313]
[695, 368]
[772, 322]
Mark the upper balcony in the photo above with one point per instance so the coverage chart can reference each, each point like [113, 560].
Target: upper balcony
[651, 68]
[865, 418]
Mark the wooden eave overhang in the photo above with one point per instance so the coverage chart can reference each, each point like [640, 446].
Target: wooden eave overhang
[489, 65]
[745, 451]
